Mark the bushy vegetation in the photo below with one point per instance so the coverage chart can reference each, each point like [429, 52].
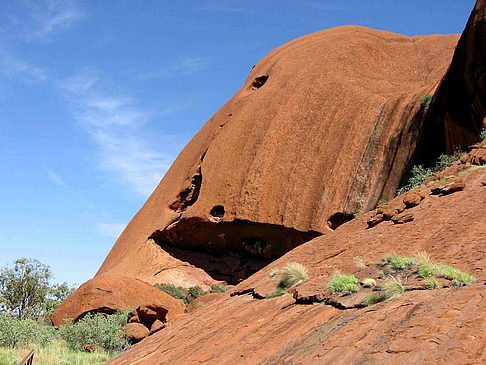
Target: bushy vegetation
[426, 99]
[26, 292]
[102, 331]
[342, 283]
[291, 275]
[27, 298]
[420, 173]
[188, 295]
[482, 135]
[398, 263]
[57, 353]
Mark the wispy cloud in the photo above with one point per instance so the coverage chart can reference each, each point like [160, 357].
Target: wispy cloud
[181, 67]
[56, 179]
[112, 230]
[49, 16]
[14, 68]
[115, 124]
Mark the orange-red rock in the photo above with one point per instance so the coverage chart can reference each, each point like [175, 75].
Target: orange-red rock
[136, 331]
[109, 293]
[156, 326]
[443, 326]
[324, 127]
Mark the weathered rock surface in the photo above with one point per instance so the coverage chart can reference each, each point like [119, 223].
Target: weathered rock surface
[110, 293]
[136, 331]
[324, 127]
[458, 109]
[443, 326]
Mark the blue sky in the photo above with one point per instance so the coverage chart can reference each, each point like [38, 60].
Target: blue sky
[97, 98]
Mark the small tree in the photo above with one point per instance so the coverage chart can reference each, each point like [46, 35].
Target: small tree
[24, 288]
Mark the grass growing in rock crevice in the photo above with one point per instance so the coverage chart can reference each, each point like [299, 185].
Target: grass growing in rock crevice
[342, 283]
[392, 276]
[291, 275]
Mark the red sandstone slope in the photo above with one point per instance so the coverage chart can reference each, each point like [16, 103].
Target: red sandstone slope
[440, 326]
[445, 326]
[325, 124]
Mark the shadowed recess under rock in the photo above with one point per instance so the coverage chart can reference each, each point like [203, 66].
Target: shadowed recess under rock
[229, 251]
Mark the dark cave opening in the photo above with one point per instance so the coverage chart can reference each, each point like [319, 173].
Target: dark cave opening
[229, 251]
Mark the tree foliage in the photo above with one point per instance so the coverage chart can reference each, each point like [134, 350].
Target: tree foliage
[25, 290]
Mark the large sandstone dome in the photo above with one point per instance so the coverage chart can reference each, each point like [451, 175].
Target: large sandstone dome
[324, 127]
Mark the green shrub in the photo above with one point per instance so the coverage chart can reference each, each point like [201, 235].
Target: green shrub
[218, 288]
[432, 283]
[426, 270]
[105, 331]
[420, 173]
[458, 277]
[194, 292]
[16, 332]
[177, 292]
[293, 274]
[392, 288]
[482, 135]
[426, 100]
[398, 263]
[341, 283]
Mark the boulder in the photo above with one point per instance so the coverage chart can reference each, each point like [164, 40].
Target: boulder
[110, 293]
[412, 199]
[136, 331]
[156, 326]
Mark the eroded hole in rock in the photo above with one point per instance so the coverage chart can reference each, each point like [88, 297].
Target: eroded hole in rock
[338, 219]
[259, 82]
[217, 212]
[229, 251]
[188, 196]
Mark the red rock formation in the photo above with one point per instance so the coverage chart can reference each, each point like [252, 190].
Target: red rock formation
[110, 293]
[323, 127]
[457, 113]
[441, 326]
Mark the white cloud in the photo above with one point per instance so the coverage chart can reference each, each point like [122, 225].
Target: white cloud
[49, 16]
[115, 124]
[182, 67]
[15, 68]
[112, 230]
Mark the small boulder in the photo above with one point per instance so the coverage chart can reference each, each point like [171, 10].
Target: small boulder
[136, 331]
[375, 220]
[156, 326]
[402, 218]
[149, 313]
[448, 189]
[134, 319]
[412, 199]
